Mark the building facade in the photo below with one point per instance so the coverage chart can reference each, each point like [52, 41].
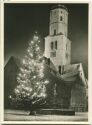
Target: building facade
[72, 84]
[57, 44]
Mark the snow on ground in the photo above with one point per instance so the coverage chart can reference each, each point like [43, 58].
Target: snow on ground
[18, 115]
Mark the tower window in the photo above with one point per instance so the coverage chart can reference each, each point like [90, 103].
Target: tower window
[51, 45]
[61, 11]
[66, 55]
[61, 18]
[62, 69]
[54, 32]
[55, 44]
[59, 69]
[48, 61]
[53, 54]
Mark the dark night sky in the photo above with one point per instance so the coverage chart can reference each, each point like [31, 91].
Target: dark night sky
[21, 20]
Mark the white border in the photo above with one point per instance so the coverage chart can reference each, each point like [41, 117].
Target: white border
[2, 62]
[46, 1]
[90, 63]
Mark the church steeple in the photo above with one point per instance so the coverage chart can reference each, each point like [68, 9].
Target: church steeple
[58, 20]
[57, 45]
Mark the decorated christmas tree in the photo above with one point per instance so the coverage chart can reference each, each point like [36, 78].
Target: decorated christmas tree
[31, 88]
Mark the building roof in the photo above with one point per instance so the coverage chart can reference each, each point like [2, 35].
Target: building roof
[59, 6]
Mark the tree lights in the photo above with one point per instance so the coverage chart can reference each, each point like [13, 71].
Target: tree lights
[31, 81]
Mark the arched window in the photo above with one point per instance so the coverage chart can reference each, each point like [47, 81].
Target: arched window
[51, 45]
[55, 44]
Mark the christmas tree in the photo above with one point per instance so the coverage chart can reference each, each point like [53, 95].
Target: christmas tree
[32, 83]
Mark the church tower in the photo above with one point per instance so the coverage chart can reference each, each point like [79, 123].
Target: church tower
[57, 44]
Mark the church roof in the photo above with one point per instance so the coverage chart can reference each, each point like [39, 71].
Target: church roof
[68, 76]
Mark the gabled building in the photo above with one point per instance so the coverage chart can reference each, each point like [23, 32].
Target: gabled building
[11, 70]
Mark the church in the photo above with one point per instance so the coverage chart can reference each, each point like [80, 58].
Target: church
[68, 89]
[68, 85]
